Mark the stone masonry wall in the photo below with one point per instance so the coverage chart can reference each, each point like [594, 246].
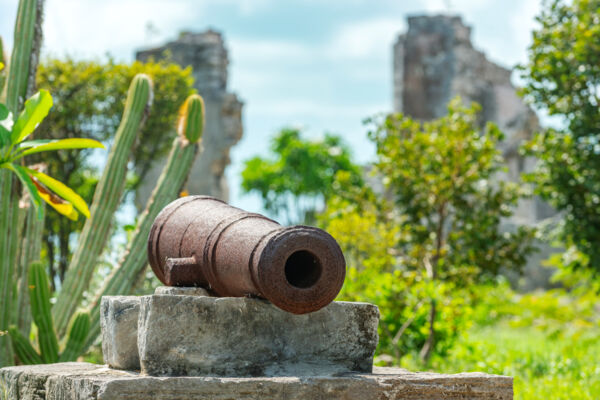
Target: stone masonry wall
[435, 61]
[206, 53]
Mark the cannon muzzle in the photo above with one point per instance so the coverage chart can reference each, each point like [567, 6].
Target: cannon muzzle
[203, 241]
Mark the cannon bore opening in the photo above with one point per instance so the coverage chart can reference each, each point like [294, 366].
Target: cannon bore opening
[302, 269]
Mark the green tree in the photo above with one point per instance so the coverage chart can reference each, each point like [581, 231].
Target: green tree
[436, 230]
[299, 178]
[89, 101]
[562, 77]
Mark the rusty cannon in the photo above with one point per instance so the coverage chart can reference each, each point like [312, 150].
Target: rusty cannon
[203, 241]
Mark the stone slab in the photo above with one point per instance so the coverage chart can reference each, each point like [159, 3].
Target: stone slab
[236, 336]
[181, 291]
[83, 381]
[119, 322]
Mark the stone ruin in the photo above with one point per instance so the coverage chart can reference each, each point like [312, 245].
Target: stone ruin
[206, 53]
[188, 343]
[435, 61]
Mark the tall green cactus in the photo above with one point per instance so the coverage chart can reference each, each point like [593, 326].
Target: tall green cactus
[19, 78]
[48, 343]
[2, 66]
[190, 127]
[31, 245]
[106, 200]
[39, 295]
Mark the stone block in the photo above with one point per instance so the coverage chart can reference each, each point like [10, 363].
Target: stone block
[236, 336]
[181, 291]
[83, 381]
[119, 324]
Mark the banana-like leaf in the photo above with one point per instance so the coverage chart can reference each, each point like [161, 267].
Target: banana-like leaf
[5, 125]
[61, 190]
[61, 206]
[60, 144]
[4, 113]
[36, 109]
[23, 175]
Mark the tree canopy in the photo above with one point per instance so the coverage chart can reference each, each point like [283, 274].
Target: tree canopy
[415, 248]
[299, 175]
[89, 98]
[562, 77]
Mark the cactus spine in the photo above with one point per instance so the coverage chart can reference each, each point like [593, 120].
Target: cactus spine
[21, 74]
[106, 200]
[190, 127]
[39, 293]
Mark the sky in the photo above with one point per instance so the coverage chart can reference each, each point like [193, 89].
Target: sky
[321, 65]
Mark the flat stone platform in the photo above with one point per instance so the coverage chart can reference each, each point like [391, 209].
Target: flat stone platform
[78, 381]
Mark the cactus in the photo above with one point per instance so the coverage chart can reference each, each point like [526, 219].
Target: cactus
[80, 327]
[39, 296]
[30, 250]
[106, 200]
[190, 127]
[39, 293]
[2, 66]
[18, 79]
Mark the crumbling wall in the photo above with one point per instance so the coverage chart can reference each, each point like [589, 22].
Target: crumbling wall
[435, 61]
[206, 53]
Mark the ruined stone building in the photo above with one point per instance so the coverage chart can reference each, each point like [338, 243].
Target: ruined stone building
[435, 61]
[206, 53]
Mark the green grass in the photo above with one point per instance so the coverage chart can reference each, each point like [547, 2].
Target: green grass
[548, 341]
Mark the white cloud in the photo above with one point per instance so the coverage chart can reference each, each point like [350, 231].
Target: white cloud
[82, 27]
[298, 107]
[522, 23]
[455, 6]
[371, 38]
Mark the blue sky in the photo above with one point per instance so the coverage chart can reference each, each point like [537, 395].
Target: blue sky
[321, 65]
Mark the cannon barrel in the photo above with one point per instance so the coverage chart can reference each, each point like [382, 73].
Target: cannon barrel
[203, 241]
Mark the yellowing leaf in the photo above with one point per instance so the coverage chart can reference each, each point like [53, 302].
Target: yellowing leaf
[62, 190]
[61, 206]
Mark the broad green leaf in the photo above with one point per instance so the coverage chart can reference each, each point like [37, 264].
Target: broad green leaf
[23, 175]
[36, 109]
[4, 113]
[4, 136]
[33, 143]
[61, 190]
[60, 144]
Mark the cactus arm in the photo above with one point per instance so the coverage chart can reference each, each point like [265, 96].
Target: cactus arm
[171, 180]
[106, 200]
[19, 80]
[20, 69]
[8, 213]
[30, 251]
[39, 293]
[77, 334]
[23, 349]
[2, 66]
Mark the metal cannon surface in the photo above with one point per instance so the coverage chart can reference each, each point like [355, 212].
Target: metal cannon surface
[203, 241]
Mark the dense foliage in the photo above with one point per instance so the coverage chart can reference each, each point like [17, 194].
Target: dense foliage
[562, 77]
[416, 248]
[89, 100]
[298, 179]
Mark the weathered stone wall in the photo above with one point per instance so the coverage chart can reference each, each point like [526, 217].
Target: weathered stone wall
[206, 53]
[435, 61]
